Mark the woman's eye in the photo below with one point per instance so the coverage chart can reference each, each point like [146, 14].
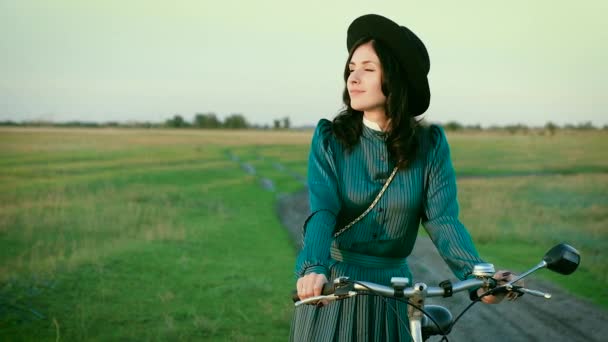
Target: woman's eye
[369, 69]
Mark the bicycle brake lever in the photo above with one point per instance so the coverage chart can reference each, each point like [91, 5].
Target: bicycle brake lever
[314, 300]
[329, 298]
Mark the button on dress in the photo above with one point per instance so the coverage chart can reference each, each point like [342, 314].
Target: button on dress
[341, 186]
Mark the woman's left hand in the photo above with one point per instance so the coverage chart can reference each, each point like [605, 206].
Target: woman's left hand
[502, 277]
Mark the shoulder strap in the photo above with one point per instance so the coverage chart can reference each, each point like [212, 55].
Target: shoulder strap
[388, 181]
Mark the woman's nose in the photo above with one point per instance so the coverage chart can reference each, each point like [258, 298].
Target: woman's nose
[353, 78]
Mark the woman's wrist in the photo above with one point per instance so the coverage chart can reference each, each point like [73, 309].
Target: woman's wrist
[318, 269]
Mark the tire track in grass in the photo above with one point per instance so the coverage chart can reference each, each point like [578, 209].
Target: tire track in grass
[282, 168]
[265, 182]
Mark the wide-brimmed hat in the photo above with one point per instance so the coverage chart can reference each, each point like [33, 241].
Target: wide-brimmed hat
[407, 47]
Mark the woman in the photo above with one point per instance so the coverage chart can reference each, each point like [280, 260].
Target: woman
[350, 160]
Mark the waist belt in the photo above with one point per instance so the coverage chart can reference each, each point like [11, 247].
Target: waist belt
[366, 260]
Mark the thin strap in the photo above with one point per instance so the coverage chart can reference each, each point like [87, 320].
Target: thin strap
[388, 181]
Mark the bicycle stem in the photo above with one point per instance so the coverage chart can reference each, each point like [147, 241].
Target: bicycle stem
[415, 315]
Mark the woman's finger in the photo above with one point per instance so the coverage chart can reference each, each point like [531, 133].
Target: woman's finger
[303, 287]
[299, 287]
[309, 285]
[511, 296]
[318, 285]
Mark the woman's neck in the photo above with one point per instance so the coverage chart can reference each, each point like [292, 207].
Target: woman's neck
[379, 118]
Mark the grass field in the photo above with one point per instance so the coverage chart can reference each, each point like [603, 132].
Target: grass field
[173, 235]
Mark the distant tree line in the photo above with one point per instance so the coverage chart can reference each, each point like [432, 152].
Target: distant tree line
[201, 120]
[238, 121]
[549, 128]
[208, 120]
[211, 121]
[233, 121]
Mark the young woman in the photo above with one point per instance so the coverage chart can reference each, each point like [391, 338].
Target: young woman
[350, 160]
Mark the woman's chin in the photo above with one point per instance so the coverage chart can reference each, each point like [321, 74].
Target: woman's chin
[357, 106]
[364, 107]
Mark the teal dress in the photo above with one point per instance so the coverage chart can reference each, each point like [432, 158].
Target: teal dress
[341, 186]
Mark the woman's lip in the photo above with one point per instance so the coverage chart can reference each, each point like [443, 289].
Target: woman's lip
[355, 92]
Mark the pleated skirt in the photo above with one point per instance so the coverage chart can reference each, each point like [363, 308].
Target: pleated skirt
[361, 318]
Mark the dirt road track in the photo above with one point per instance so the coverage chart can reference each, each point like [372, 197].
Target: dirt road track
[562, 318]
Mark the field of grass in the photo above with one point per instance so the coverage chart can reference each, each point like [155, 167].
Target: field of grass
[173, 235]
[135, 235]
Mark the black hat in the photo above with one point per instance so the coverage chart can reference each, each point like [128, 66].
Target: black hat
[408, 49]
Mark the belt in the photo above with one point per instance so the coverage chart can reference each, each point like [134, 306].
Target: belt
[366, 260]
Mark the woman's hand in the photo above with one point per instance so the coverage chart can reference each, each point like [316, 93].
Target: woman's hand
[502, 277]
[311, 285]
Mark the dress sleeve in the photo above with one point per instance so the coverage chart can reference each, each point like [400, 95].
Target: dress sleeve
[440, 216]
[324, 204]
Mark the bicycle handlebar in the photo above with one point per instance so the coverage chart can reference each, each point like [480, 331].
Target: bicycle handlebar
[364, 286]
[562, 258]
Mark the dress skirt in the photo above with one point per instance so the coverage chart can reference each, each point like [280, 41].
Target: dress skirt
[359, 318]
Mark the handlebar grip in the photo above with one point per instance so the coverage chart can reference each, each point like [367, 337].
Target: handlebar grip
[328, 288]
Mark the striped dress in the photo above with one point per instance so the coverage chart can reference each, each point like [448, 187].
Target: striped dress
[341, 186]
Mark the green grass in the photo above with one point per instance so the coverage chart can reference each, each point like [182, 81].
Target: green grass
[142, 243]
[159, 235]
[525, 216]
[483, 154]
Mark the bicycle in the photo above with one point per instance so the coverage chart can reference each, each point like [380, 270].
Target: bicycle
[429, 320]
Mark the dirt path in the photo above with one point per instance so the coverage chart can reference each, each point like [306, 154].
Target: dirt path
[562, 318]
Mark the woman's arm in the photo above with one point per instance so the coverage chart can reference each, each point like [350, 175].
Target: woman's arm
[441, 221]
[440, 209]
[324, 205]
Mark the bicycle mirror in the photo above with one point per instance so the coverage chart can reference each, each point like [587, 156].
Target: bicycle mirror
[563, 259]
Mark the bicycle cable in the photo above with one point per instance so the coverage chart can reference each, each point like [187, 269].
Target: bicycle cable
[477, 300]
[389, 305]
[443, 334]
[463, 311]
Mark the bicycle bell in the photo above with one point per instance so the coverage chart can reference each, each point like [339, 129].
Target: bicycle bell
[483, 270]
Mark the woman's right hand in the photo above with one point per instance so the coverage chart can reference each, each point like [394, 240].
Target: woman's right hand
[310, 285]
[502, 277]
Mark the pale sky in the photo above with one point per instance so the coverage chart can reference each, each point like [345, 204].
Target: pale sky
[492, 62]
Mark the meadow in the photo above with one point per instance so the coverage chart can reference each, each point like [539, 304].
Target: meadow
[120, 234]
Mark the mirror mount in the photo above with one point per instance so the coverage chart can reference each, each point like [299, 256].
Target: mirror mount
[540, 265]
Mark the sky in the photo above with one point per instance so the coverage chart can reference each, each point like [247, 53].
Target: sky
[492, 62]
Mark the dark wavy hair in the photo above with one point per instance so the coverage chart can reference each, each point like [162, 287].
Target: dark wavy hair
[402, 137]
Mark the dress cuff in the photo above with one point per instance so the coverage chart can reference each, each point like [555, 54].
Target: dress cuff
[319, 269]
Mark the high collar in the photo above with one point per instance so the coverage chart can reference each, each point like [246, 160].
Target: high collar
[371, 124]
[372, 131]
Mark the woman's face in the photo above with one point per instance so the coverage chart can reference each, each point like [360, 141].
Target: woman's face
[364, 83]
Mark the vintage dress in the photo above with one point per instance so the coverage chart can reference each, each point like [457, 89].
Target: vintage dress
[341, 186]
